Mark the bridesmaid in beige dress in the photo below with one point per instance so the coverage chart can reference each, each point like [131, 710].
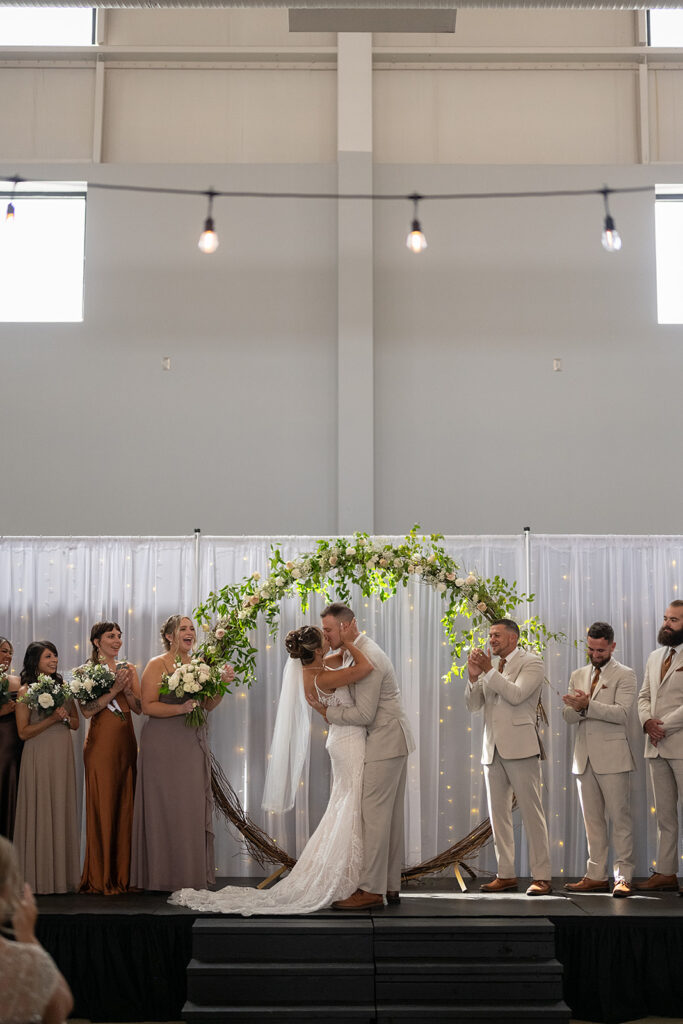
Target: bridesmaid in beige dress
[46, 832]
[173, 817]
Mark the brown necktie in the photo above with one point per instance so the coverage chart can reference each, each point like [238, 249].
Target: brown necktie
[594, 681]
[501, 665]
[666, 664]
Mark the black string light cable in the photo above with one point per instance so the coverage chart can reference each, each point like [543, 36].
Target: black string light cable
[208, 242]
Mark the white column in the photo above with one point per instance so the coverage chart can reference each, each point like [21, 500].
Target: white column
[355, 355]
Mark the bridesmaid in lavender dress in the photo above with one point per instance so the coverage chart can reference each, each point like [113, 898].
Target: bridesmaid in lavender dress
[173, 816]
[10, 746]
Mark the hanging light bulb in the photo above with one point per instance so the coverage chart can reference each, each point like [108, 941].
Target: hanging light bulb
[611, 239]
[208, 240]
[9, 216]
[416, 240]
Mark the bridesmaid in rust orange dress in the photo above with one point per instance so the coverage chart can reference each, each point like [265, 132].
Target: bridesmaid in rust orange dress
[110, 755]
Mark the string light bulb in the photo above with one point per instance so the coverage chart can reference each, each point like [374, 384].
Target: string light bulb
[208, 240]
[416, 240]
[611, 239]
[9, 216]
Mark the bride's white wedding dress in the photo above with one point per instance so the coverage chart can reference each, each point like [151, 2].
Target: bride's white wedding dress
[330, 864]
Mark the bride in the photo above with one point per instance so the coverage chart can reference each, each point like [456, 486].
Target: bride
[330, 864]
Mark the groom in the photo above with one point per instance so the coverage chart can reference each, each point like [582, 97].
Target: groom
[389, 741]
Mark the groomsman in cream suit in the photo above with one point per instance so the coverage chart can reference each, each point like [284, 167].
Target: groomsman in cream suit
[389, 741]
[660, 709]
[599, 701]
[509, 694]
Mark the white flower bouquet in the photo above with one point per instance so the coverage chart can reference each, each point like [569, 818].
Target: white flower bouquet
[89, 682]
[46, 695]
[194, 681]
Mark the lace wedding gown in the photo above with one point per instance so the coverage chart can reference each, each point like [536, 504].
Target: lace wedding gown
[330, 864]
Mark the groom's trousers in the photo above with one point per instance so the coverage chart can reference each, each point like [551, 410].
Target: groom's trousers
[384, 786]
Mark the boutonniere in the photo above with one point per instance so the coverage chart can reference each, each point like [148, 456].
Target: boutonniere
[604, 686]
[679, 669]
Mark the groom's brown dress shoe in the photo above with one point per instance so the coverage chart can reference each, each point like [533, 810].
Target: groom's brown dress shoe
[393, 897]
[623, 889]
[540, 887]
[499, 885]
[588, 885]
[360, 900]
[658, 883]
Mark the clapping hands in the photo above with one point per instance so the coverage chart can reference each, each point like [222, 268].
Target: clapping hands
[478, 663]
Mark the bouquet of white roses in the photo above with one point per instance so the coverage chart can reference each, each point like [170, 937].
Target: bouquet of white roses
[92, 681]
[46, 695]
[5, 696]
[197, 681]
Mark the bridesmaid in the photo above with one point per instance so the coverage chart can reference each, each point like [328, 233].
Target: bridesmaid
[46, 831]
[173, 823]
[10, 746]
[109, 755]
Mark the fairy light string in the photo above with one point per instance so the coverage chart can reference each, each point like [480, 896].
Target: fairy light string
[610, 237]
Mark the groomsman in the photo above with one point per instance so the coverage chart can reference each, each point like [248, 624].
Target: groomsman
[509, 694]
[599, 701]
[660, 709]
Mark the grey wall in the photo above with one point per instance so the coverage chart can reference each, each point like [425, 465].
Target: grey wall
[474, 432]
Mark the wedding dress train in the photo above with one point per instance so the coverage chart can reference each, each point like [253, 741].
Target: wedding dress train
[330, 864]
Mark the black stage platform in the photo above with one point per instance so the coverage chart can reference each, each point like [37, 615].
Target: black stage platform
[125, 957]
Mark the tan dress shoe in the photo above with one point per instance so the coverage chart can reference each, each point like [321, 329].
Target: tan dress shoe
[499, 885]
[588, 885]
[360, 900]
[540, 887]
[658, 883]
[622, 889]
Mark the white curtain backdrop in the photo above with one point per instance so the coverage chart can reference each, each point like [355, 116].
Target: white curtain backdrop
[55, 588]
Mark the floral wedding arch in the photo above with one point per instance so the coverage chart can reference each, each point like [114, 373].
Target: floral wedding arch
[378, 568]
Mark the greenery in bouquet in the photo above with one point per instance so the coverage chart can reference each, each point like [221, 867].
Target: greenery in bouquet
[377, 566]
[46, 695]
[194, 680]
[5, 696]
[91, 681]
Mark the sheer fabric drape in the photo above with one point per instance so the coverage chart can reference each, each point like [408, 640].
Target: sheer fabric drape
[55, 588]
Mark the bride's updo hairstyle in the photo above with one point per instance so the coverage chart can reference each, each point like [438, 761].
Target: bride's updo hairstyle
[303, 643]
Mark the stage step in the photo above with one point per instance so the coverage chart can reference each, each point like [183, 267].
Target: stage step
[287, 1015]
[281, 984]
[374, 968]
[282, 940]
[470, 983]
[525, 938]
[530, 1013]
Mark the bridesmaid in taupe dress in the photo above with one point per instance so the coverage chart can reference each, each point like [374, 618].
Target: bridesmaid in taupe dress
[173, 820]
[110, 754]
[46, 830]
[10, 746]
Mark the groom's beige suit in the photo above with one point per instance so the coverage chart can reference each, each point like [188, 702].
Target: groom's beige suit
[389, 741]
[663, 698]
[603, 763]
[510, 755]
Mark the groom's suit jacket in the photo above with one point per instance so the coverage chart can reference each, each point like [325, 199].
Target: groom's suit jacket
[602, 733]
[378, 707]
[663, 700]
[509, 703]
